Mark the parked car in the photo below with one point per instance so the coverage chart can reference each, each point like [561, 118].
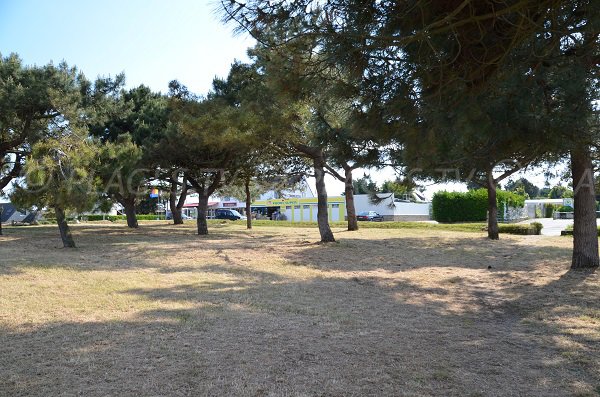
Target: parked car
[369, 216]
[183, 216]
[232, 215]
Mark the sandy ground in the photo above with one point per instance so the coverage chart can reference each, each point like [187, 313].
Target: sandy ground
[160, 311]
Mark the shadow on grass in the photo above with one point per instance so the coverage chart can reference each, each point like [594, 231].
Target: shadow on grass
[382, 317]
[262, 334]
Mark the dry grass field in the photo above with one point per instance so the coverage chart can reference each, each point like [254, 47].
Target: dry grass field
[160, 311]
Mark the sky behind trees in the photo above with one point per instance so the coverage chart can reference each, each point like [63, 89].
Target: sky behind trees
[152, 41]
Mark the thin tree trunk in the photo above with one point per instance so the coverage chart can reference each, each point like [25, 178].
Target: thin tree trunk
[585, 231]
[63, 227]
[492, 208]
[202, 210]
[349, 194]
[322, 214]
[182, 197]
[129, 207]
[248, 204]
[173, 204]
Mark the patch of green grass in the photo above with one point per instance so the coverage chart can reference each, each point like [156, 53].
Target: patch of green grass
[457, 227]
[442, 375]
[461, 227]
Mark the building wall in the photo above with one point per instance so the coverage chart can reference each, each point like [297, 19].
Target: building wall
[401, 211]
[305, 209]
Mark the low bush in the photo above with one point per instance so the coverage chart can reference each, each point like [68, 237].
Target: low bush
[113, 218]
[534, 228]
[564, 208]
[569, 231]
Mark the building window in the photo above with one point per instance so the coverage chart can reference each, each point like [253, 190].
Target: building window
[288, 207]
[335, 206]
[306, 206]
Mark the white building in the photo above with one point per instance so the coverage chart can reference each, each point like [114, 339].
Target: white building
[392, 208]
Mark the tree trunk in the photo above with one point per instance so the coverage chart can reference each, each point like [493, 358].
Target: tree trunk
[173, 204]
[202, 210]
[585, 231]
[1, 210]
[63, 227]
[129, 207]
[349, 194]
[322, 214]
[492, 208]
[248, 204]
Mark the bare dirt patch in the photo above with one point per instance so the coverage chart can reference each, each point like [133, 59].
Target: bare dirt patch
[161, 311]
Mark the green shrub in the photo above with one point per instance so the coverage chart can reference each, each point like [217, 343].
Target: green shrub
[470, 206]
[113, 218]
[569, 231]
[460, 207]
[95, 217]
[527, 229]
[564, 208]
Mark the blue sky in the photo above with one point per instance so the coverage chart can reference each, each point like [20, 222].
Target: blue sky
[152, 41]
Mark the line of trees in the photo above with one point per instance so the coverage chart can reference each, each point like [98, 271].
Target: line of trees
[482, 88]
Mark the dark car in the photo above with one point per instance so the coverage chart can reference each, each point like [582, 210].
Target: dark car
[232, 215]
[369, 216]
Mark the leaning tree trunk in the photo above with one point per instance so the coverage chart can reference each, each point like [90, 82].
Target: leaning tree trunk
[585, 230]
[63, 227]
[175, 209]
[322, 214]
[248, 204]
[129, 207]
[202, 210]
[349, 194]
[492, 208]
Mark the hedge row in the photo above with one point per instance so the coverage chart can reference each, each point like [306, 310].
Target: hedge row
[528, 229]
[114, 218]
[569, 231]
[470, 206]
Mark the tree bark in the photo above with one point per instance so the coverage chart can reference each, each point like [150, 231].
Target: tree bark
[1, 210]
[129, 207]
[177, 219]
[585, 230]
[349, 194]
[322, 213]
[177, 204]
[204, 194]
[202, 210]
[492, 208]
[63, 227]
[13, 173]
[248, 204]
